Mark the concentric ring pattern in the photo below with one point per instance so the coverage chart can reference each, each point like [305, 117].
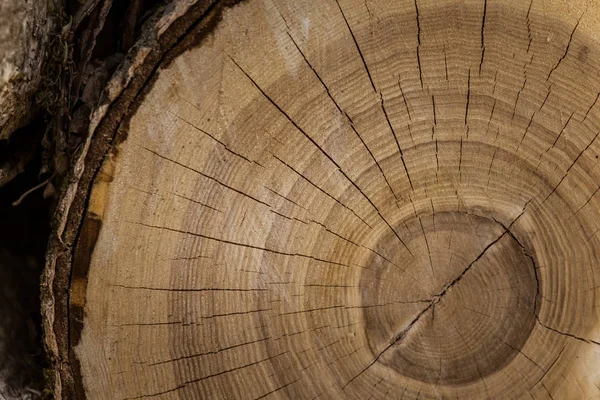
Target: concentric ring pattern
[358, 199]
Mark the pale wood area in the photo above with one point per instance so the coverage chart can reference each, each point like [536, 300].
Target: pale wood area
[356, 199]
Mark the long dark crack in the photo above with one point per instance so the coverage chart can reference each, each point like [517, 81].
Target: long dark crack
[520, 90]
[387, 118]
[533, 263]
[538, 292]
[211, 178]
[360, 53]
[342, 112]
[483, 35]
[434, 116]
[567, 334]
[381, 100]
[587, 113]
[468, 97]
[529, 26]
[418, 18]
[322, 151]
[310, 182]
[574, 161]
[533, 116]
[460, 160]
[405, 102]
[446, 63]
[210, 135]
[560, 60]
[403, 333]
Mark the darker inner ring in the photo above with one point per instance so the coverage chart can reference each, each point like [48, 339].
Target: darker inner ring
[404, 350]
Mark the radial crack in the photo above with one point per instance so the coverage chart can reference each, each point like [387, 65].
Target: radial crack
[397, 142]
[322, 190]
[418, 18]
[339, 168]
[239, 244]
[520, 90]
[483, 35]
[529, 26]
[403, 333]
[538, 290]
[351, 123]
[468, 97]
[213, 137]
[567, 334]
[587, 113]
[572, 164]
[533, 116]
[434, 111]
[560, 60]
[362, 57]
[205, 176]
[446, 63]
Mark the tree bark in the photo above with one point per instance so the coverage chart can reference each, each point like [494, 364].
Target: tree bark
[25, 32]
[337, 199]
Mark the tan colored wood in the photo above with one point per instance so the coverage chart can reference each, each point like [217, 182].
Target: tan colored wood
[353, 199]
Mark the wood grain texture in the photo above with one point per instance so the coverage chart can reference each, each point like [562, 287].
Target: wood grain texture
[354, 199]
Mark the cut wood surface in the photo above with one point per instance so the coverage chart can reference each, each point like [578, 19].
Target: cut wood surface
[339, 199]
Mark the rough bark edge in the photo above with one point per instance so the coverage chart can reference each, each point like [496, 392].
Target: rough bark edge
[22, 61]
[176, 28]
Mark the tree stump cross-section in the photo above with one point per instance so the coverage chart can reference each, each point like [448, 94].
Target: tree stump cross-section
[359, 199]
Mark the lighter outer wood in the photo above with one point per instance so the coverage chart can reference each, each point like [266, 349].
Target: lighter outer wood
[363, 199]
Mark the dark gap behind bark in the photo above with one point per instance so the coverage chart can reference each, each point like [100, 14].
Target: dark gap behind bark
[25, 228]
[23, 238]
